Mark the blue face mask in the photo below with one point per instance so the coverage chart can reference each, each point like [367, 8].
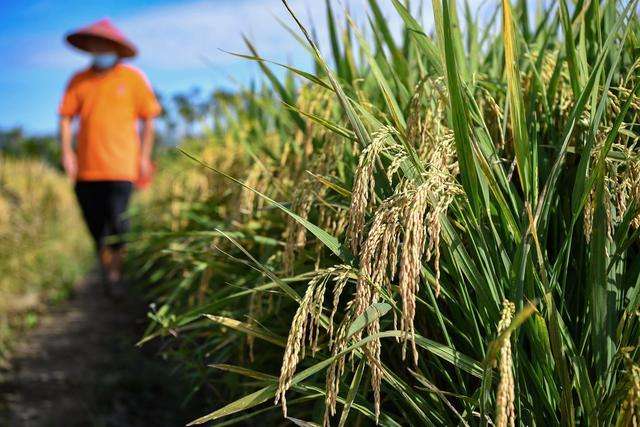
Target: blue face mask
[103, 61]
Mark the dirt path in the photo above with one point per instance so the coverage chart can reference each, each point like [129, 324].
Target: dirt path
[79, 367]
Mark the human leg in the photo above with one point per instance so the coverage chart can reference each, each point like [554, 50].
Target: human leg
[92, 198]
[117, 202]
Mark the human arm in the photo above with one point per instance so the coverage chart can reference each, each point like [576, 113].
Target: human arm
[147, 107]
[68, 156]
[147, 138]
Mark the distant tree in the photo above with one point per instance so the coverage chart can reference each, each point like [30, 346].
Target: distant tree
[10, 139]
[220, 100]
[166, 133]
[14, 143]
[191, 109]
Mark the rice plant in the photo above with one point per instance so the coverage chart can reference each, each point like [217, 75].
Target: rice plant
[430, 228]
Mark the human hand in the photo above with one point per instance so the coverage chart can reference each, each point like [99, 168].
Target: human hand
[70, 164]
[146, 167]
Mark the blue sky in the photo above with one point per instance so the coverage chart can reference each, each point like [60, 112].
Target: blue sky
[173, 37]
[179, 43]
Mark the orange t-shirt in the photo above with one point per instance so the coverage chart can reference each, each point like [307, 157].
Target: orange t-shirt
[109, 105]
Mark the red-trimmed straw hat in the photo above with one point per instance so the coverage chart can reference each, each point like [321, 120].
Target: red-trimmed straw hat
[103, 30]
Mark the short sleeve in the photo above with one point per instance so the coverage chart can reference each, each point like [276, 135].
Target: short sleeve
[147, 105]
[70, 104]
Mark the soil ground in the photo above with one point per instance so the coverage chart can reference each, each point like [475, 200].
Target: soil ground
[80, 367]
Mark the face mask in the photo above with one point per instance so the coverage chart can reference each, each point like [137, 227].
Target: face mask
[103, 61]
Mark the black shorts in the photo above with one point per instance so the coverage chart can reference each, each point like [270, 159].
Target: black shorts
[103, 206]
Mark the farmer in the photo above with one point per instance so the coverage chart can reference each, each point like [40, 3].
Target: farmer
[114, 103]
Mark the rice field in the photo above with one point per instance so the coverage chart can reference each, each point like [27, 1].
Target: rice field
[43, 250]
[431, 228]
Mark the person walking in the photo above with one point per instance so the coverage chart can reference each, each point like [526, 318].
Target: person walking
[115, 107]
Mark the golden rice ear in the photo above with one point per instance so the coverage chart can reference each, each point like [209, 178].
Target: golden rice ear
[629, 414]
[295, 233]
[306, 322]
[505, 408]
[295, 345]
[363, 190]
[621, 187]
[306, 193]
[375, 265]
[411, 261]
[248, 197]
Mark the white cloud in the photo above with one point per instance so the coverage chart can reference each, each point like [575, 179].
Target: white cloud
[179, 36]
[190, 35]
[182, 35]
